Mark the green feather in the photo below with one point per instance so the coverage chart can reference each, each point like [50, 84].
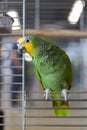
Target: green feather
[58, 104]
[53, 68]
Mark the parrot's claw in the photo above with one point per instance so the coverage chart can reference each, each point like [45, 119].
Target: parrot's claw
[47, 93]
[65, 93]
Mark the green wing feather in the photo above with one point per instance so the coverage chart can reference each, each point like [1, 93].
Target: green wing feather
[54, 70]
[38, 75]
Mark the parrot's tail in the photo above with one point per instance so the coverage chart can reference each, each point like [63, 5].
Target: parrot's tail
[59, 108]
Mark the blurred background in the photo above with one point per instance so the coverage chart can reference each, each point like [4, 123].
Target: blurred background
[21, 100]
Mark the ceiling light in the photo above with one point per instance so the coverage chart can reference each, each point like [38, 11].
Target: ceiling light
[16, 24]
[76, 11]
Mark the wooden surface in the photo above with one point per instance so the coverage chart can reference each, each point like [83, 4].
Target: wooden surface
[53, 33]
[46, 33]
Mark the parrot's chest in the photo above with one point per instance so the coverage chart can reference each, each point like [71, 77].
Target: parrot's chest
[47, 57]
[49, 73]
[51, 68]
[47, 63]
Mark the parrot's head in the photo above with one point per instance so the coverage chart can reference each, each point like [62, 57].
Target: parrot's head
[25, 43]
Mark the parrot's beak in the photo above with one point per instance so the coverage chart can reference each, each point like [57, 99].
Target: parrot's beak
[20, 46]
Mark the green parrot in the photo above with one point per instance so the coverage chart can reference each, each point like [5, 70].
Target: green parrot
[53, 69]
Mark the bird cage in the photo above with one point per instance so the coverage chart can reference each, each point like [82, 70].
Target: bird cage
[22, 106]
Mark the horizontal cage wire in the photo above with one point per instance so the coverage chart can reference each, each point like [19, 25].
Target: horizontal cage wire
[22, 105]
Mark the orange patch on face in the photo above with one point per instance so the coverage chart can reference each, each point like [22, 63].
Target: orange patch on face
[29, 48]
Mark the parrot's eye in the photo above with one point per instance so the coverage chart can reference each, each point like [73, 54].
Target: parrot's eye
[27, 40]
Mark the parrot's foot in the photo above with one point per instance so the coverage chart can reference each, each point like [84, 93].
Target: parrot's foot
[65, 93]
[47, 93]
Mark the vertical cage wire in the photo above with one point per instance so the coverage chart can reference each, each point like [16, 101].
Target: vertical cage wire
[23, 76]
